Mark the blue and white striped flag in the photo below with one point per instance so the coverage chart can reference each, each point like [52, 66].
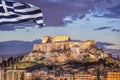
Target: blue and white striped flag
[15, 12]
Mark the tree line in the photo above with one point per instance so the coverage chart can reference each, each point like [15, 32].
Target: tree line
[10, 61]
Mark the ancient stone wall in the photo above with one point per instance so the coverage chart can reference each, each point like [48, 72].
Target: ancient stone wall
[49, 39]
[62, 51]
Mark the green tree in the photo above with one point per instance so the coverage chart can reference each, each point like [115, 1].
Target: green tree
[49, 79]
[96, 79]
[9, 61]
[37, 78]
[4, 64]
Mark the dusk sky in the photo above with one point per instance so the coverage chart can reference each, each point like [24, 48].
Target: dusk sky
[98, 20]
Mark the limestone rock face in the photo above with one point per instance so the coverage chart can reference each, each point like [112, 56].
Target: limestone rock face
[50, 47]
[59, 52]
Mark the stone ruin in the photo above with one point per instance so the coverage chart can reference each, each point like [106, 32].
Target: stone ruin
[49, 39]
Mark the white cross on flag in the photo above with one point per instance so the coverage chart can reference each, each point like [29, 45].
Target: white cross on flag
[15, 12]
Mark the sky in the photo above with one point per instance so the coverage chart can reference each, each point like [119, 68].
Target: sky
[97, 20]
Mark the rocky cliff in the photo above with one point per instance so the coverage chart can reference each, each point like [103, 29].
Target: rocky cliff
[60, 52]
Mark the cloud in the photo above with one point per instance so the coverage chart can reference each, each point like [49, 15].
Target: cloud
[113, 49]
[13, 27]
[55, 11]
[103, 28]
[27, 30]
[56, 1]
[108, 46]
[10, 0]
[7, 28]
[106, 9]
[116, 9]
[103, 44]
[115, 30]
[116, 47]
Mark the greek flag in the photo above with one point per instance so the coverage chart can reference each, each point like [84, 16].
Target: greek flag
[15, 12]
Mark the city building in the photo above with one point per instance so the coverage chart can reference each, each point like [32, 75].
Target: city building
[28, 76]
[84, 77]
[41, 74]
[68, 76]
[44, 74]
[64, 77]
[1, 74]
[113, 75]
[14, 75]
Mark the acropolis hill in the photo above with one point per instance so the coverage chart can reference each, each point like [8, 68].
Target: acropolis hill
[61, 49]
[60, 58]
